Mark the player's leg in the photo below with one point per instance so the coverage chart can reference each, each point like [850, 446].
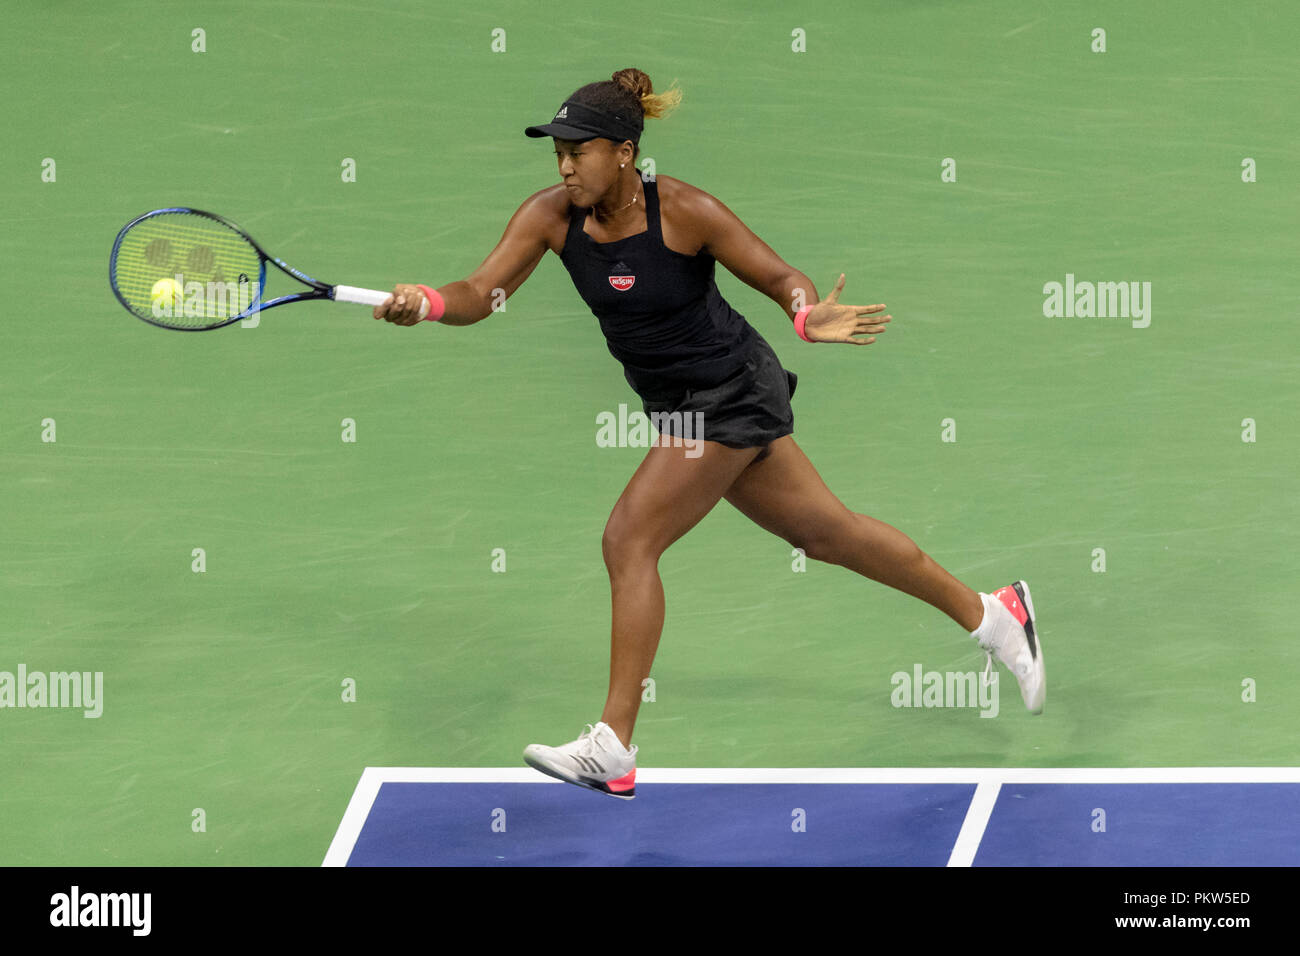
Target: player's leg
[783, 493]
[669, 493]
[666, 497]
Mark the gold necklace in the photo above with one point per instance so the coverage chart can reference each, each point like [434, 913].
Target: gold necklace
[622, 207]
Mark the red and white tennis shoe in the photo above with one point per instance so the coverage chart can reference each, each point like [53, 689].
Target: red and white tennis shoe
[1014, 639]
[597, 760]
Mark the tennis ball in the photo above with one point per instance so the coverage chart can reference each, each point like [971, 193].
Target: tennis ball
[167, 291]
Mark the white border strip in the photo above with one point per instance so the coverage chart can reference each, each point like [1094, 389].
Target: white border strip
[977, 818]
[988, 780]
[354, 818]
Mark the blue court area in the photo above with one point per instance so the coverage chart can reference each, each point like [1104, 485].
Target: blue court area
[1148, 824]
[922, 823]
[451, 824]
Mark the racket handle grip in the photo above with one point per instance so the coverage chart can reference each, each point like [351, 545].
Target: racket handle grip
[350, 293]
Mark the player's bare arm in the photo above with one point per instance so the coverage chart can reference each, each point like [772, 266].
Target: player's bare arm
[528, 234]
[752, 261]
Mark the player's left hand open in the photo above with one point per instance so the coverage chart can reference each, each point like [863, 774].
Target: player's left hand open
[831, 322]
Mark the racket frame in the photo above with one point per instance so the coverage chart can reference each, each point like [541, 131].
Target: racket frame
[318, 289]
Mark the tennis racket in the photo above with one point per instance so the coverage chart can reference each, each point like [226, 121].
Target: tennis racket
[190, 270]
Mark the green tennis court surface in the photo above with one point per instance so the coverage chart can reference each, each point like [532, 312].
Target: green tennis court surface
[1164, 452]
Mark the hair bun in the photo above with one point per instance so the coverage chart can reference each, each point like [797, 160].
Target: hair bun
[653, 105]
[634, 81]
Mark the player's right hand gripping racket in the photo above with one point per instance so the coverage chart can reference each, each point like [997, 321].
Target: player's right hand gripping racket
[186, 269]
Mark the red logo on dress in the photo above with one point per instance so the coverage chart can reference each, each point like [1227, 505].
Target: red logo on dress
[622, 283]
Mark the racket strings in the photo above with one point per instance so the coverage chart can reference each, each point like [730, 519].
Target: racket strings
[214, 271]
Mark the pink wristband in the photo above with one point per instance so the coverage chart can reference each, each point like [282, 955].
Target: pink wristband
[800, 319]
[437, 307]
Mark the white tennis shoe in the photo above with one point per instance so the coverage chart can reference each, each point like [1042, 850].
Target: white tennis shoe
[596, 760]
[1013, 637]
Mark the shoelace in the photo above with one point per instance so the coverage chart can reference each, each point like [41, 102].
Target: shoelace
[988, 649]
[587, 741]
[1020, 669]
[587, 744]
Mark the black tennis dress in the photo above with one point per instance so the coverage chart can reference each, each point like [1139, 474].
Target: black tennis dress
[682, 347]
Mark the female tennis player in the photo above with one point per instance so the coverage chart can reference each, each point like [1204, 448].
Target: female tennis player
[641, 252]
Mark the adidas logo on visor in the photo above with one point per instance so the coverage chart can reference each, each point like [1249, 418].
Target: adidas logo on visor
[563, 113]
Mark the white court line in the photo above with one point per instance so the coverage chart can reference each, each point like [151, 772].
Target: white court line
[977, 818]
[354, 818]
[988, 780]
